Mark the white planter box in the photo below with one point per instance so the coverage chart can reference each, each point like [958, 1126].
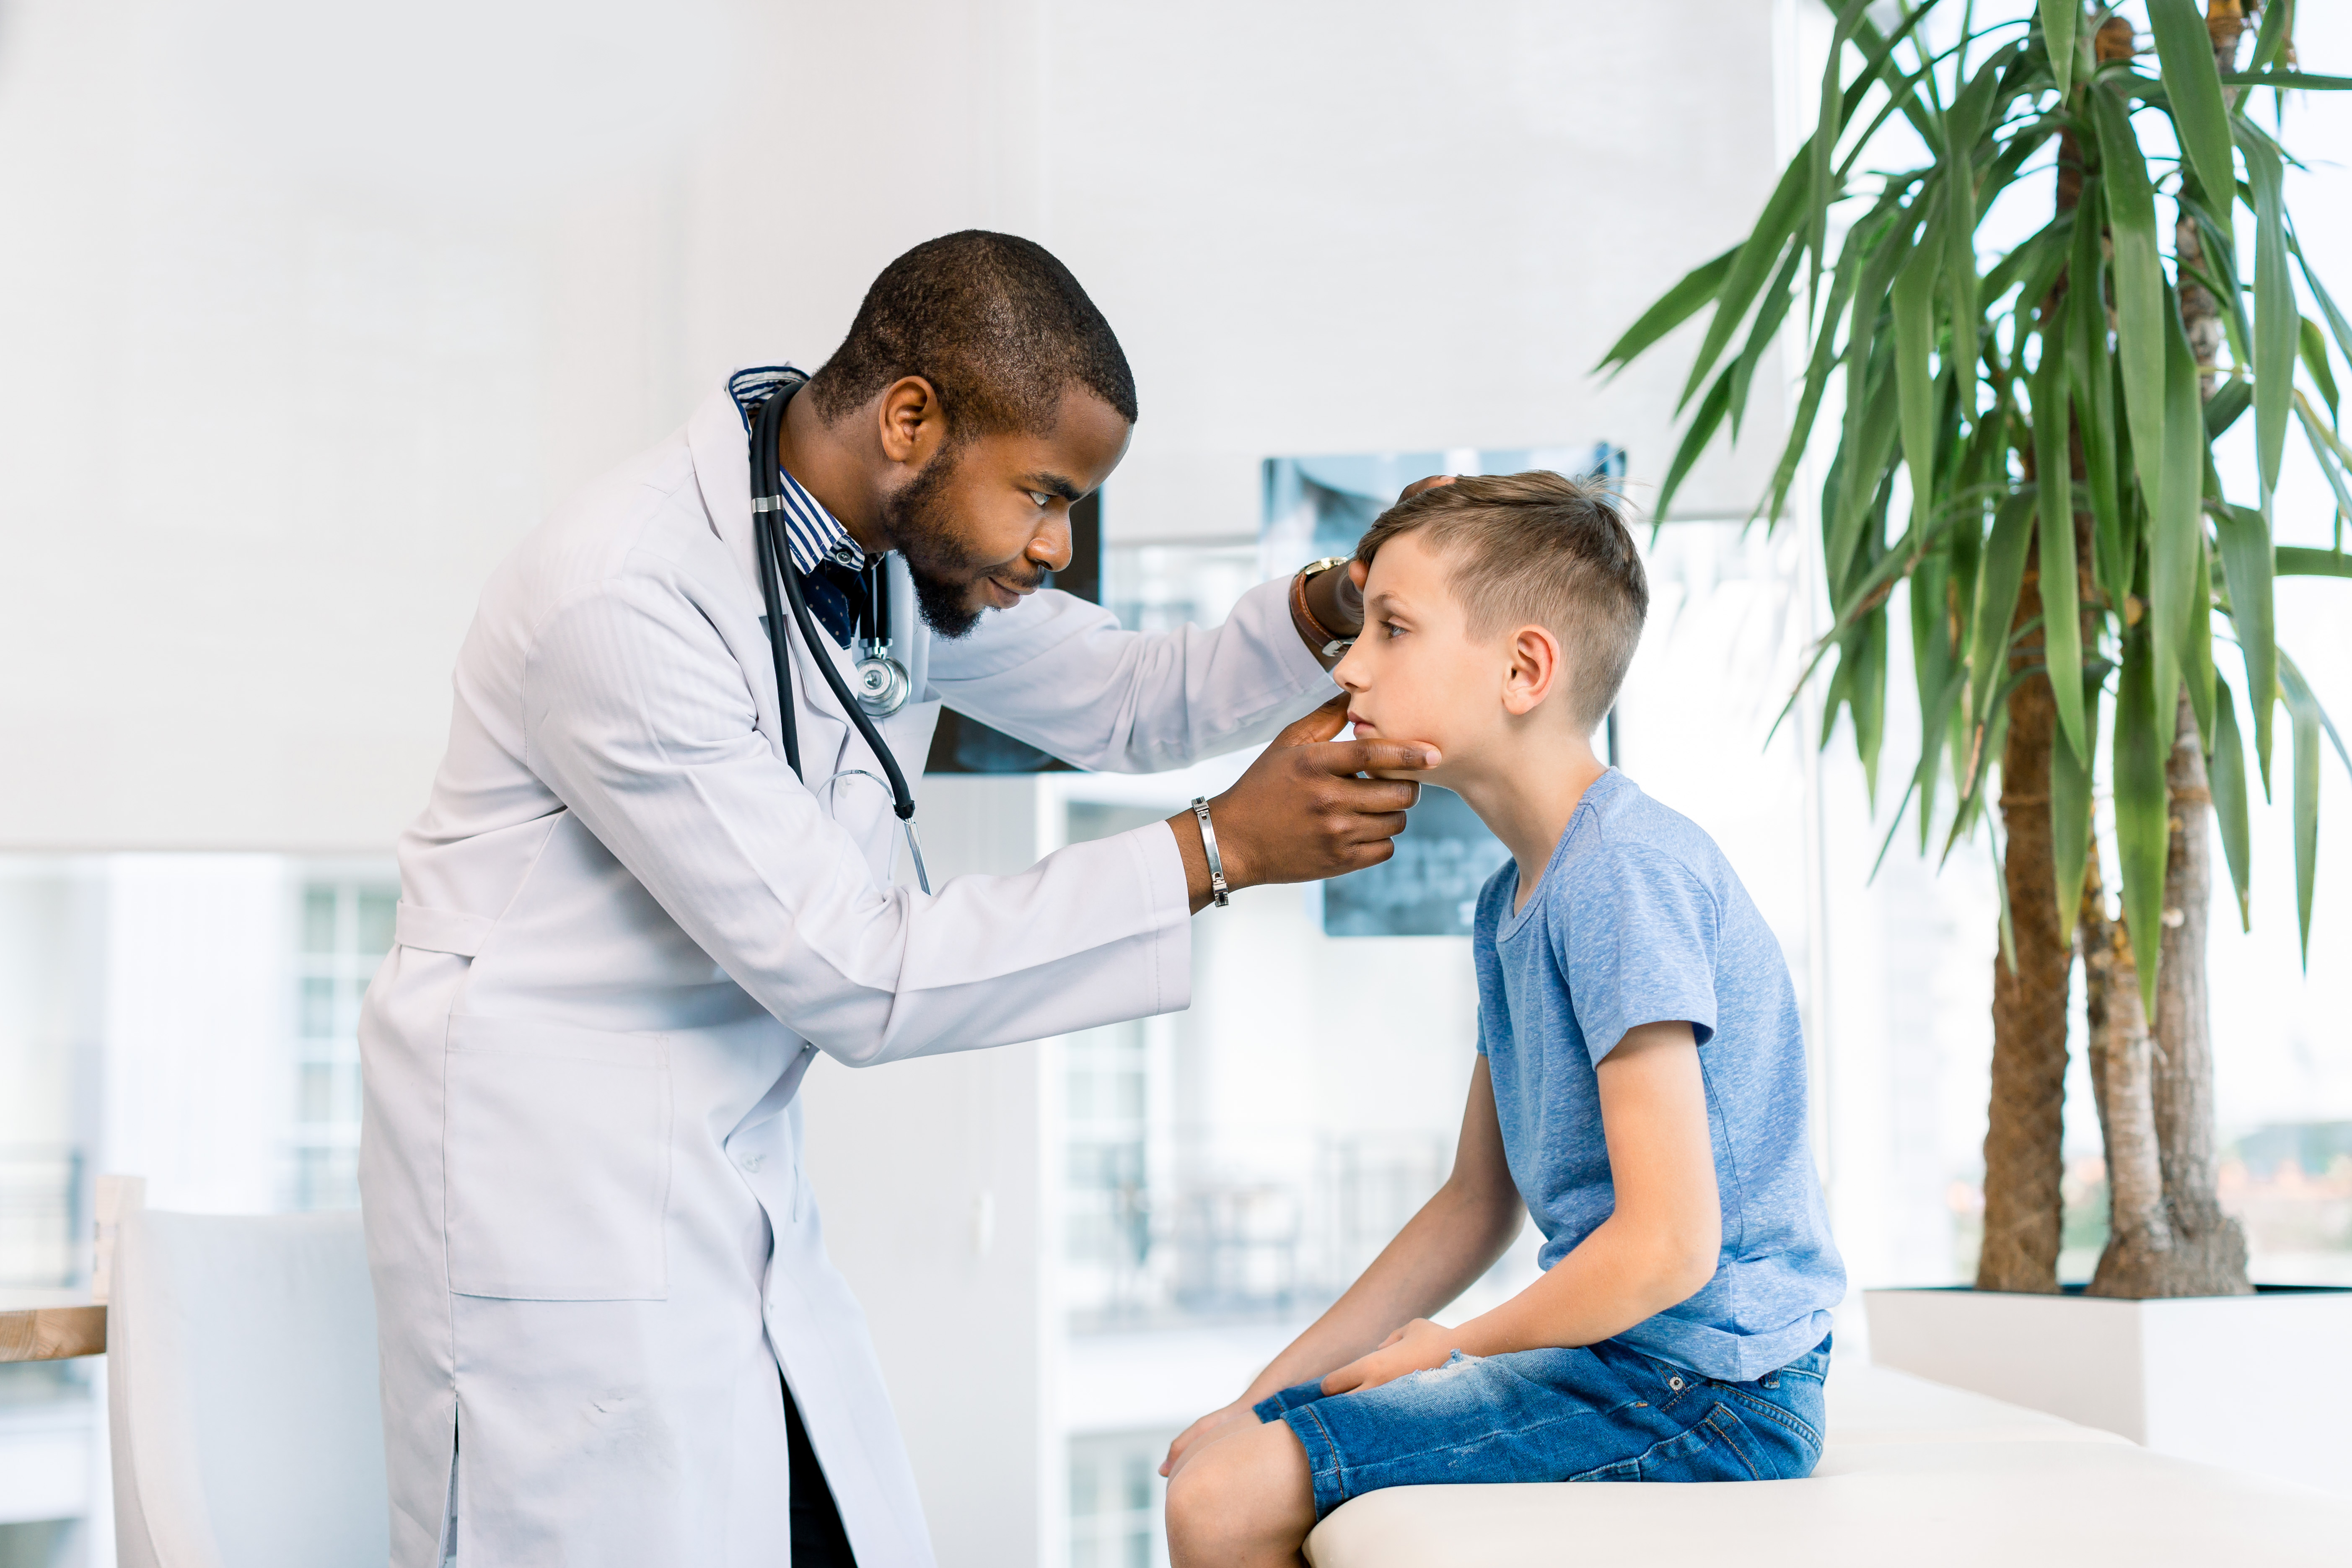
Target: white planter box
[2255, 1383]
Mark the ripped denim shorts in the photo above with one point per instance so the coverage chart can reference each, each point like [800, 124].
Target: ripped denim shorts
[1598, 1413]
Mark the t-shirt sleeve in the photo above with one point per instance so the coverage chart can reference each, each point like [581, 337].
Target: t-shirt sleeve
[1637, 942]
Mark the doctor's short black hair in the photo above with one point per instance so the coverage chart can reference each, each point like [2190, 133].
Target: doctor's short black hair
[996, 325]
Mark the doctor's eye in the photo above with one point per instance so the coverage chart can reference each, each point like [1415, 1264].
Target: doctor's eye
[1041, 498]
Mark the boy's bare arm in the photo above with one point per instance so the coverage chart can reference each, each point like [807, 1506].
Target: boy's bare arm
[1455, 1238]
[1658, 1248]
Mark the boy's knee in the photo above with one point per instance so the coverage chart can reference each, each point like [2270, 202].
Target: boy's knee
[1202, 1504]
[1240, 1497]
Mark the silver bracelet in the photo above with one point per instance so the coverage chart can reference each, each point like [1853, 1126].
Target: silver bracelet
[1217, 888]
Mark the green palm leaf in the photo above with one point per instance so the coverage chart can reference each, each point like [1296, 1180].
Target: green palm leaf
[2278, 321]
[2226, 775]
[2185, 50]
[2247, 565]
[2061, 621]
[2140, 303]
[2058, 21]
[1678, 305]
[2143, 826]
[2070, 808]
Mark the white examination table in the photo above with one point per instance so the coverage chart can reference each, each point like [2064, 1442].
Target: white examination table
[1915, 1473]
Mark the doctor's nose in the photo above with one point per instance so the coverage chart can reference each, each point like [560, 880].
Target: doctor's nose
[1051, 548]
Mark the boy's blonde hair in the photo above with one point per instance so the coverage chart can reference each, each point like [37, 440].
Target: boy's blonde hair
[1538, 548]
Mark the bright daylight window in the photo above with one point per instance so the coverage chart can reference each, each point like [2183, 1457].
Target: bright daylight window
[344, 932]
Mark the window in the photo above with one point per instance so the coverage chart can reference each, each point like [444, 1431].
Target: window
[1115, 1494]
[41, 1223]
[344, 931]
[1108, 1212]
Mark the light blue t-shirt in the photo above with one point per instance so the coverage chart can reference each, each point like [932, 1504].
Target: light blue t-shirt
[1639, 920]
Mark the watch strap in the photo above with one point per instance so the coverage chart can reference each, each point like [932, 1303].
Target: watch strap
[1332, 644]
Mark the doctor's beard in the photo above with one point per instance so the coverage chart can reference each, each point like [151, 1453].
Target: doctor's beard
[920, 523]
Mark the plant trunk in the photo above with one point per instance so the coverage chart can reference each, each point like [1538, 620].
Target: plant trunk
[2209, 1250]
[2201, 314]
[2024, 1151]
[2023, 1163]
[2139, 1236]
[2206, 1255]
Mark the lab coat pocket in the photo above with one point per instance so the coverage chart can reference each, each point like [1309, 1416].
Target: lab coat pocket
[558, 1161]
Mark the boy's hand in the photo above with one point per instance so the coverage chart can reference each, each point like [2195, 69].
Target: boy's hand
[1208, 1426]
[1418, 1346]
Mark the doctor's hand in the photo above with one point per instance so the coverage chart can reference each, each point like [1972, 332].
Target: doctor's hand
[1301, 813]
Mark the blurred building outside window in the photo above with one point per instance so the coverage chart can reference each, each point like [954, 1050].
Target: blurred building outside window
[345, 930]
[1116, 1498]
[41, 1216]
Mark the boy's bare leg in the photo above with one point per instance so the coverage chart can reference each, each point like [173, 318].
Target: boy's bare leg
[1244, 1500]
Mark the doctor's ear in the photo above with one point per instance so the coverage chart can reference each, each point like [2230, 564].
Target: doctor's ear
[913, 422]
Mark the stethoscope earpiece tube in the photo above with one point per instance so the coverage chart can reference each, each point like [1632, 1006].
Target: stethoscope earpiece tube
[775, 569]
[767, 546]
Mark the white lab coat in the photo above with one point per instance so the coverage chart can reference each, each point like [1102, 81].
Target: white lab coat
[625, 929]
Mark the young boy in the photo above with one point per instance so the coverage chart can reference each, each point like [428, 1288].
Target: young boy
[1640, 1089]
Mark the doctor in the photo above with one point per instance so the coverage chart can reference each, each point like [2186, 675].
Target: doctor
[610, 1333]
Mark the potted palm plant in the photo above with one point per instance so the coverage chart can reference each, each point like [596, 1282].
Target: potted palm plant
[2021, 472]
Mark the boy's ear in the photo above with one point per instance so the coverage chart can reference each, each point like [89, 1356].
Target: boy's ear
[1533, 670]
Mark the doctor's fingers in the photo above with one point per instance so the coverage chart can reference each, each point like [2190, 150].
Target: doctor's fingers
[1355, 854]
[1320, 725]
[1370, 797]
[1372, 756]
[1370, 841]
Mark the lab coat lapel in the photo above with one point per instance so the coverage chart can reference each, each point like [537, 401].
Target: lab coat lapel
[829, 746]
[722, 473]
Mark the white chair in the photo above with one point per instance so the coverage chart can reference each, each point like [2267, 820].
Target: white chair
[247, 1427]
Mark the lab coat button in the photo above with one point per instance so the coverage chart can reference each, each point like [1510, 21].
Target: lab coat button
[750, 1161]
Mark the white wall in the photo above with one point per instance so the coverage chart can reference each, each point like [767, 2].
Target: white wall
[311, 317]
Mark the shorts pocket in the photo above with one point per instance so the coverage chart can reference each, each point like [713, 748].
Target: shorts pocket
[1720, 1448]
[556, 1160]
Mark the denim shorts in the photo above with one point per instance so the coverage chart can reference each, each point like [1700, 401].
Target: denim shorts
[1598, 1413]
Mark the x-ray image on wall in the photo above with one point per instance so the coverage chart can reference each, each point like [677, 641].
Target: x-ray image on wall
[1320, 506]
[1430, 886]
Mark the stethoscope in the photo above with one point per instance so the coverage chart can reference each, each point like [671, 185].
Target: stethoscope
[883, 686]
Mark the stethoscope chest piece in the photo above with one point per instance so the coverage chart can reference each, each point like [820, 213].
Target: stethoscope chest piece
[883, 686]
[882, 683]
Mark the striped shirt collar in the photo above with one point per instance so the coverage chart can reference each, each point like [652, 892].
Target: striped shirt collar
[811, 532]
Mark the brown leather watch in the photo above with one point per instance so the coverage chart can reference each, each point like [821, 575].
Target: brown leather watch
[1332, 644]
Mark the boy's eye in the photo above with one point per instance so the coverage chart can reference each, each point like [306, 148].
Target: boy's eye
[1391, 629]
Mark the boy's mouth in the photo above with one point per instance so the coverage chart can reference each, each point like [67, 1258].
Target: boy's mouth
[1363, 726]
